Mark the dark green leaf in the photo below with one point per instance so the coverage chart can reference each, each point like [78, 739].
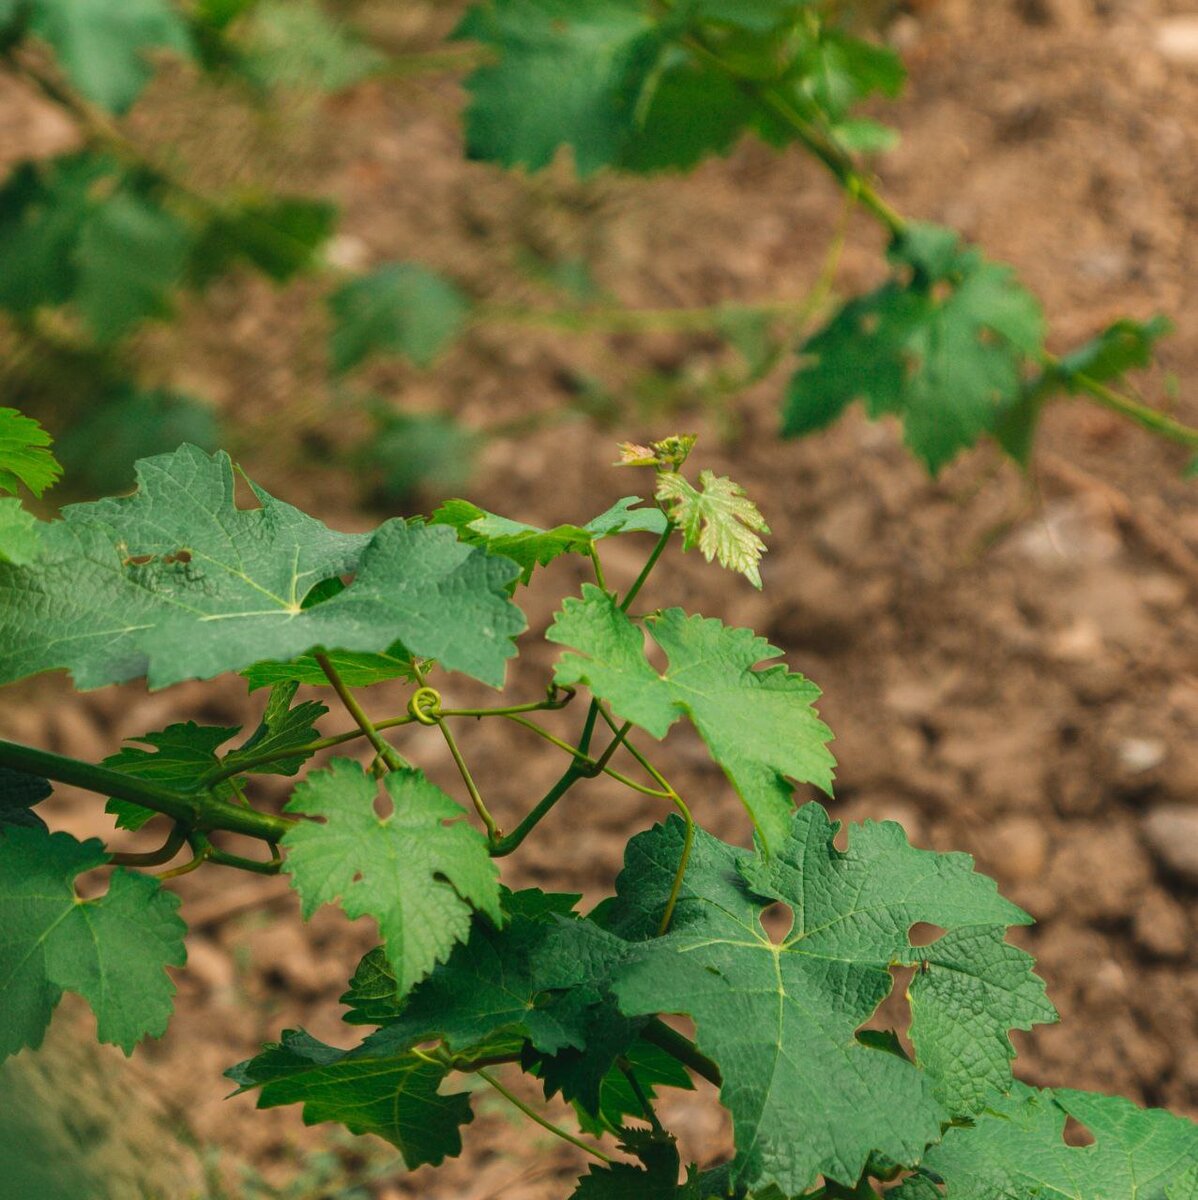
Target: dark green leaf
[945, 349]
[355, 670]
[279, 235]
[1116, 350]
[112, 951]
[177, 582]
[397, 1097]
[400, 309]
[781, 1018]
[19, 793]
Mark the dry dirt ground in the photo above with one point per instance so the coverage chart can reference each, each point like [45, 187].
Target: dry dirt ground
[1010, 667]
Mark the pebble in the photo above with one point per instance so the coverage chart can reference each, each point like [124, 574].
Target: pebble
[1019, 848]
[1177, 40]
[1137, 755]
[1171, 832]
[1161, 926]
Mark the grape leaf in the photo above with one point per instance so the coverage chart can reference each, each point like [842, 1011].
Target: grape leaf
[355, 670]
[180, 756]
[19, 793]
[1118, 349]
[104, 45]
[531, 547]
[130, 256]
[112, 951]
[25, 456]
[782, 1018]
[183, 754]
[279, 235]
[402, 308]
[758, 724]
[652, 1068]
[396, 1096]
[945, 349]
[721, 520]
[296, 44]
[414, 452]
[176, 582]
[417, 875]
[569, 72]
[1017, 1148]
[127, 423]
[20, 533]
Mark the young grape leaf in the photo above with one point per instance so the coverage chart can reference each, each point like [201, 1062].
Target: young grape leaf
[282, 728]
[20, 533]
[721, 520]
[355, 670]
[419, 872]
[531, 547]
[1017, 1148]
[19, 793]
[781, 1018]
[759, 725]
[177, 582]
[112, 951]
[945, 349]
[25, 456]
[104, 46]
[402, 308]
[397, 1096]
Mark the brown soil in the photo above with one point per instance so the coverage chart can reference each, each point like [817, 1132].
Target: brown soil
[1010, 669]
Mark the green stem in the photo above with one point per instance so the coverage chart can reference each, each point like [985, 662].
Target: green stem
[511, 842]
[1147, 418]
[153, 858]
[199, 812]
[647, 569]
[386, 752]
[639, 1092]
[683, 1049]
[543, 1122]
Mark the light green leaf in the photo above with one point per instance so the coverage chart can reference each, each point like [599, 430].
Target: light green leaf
[355, 670]
[759, 725]
[1119, 348]
[944, 346]
[20, 533]
[104, 46]
[419, 876]
[1017, 1148]
[112, 951]
[25, 456]
[721, 520]
[530, 546]
[295, 44]
[402, 309]
[782, 1018]
[176, 582]
[397, 1097]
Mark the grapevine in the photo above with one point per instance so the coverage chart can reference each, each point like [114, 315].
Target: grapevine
[470, 978]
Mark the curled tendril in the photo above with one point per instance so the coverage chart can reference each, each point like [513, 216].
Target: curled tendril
[425, 706]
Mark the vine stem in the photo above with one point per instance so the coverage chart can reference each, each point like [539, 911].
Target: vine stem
[647, 569]
[153, 858]
[667, 793]
[431, 713]
[543, 1122]
[683, 1049]
[384, 750]
[196, 812]
[1146, 417]
[244, 765]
